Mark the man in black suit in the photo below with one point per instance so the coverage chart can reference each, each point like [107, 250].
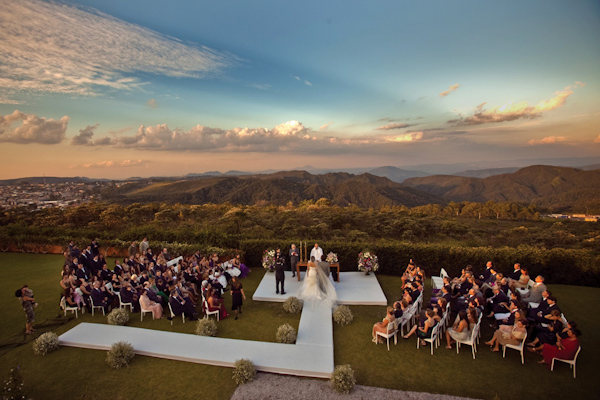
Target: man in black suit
[516, 274]
[279, 271]
[95, 247]
[294, 258]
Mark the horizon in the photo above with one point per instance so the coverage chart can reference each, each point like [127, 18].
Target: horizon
[153, 89]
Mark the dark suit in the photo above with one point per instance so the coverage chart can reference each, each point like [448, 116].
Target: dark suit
[516, 275]
[279, 272]
[294, 258]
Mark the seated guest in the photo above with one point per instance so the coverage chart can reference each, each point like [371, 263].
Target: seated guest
[383, 325]
[546, 334]
[507, 334]
[516, 274]
[522, 282]
[425, 327]
[100, 297]
[459, 331]
[497, 303]
[541, 316]
[564, 333]
[115, 282]
[409, 273]
[439, 309]
[147, 304]
[129, 295]
[542, 307]
[105, 273]
[535, 294]
[244, 270]
[180, 305]
[565, 348]
[399, 308]
[215, 302]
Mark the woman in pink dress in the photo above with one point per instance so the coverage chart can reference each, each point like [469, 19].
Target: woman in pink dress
[147, 304]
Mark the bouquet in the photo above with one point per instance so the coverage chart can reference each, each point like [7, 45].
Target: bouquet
[367, 262]
[332, 258]
[268, 260]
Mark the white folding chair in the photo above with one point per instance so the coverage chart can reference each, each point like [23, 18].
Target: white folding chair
[520, 347]
[63, 305]
[572, 363]
[173, 315]
[404, 321]
[472, 341]
[207, 312]
[443, 273]
[123, 305]
[433, 339]
[94, 307]
[391, 331]
[142, 312]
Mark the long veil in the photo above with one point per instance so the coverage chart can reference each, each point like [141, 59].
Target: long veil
[323, 293]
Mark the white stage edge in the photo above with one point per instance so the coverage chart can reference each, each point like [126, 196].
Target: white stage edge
[311, 356]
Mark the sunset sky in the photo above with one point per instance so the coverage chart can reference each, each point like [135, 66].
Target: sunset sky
[114, 89]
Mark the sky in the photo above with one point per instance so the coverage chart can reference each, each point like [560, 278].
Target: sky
[115, 89]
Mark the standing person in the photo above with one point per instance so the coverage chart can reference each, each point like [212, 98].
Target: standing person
[279, 271]
[28, 303]
[294, 258]
[237, 293]
[132, 249]
[316, 252]
[144, 246]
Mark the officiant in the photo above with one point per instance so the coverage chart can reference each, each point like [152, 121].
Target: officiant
[316, 252]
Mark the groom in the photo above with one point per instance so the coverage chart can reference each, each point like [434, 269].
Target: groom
[279, 271]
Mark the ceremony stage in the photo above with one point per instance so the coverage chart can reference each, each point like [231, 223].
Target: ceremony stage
[311, 356]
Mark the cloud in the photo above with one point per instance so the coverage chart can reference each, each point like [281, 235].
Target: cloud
[326, 126]
[521, 110]
[110, 164]
[152, 103]
[547, 140]
[4, 100]
[307, 83]
[393, 126]
[47, 46]
[409, 137]
[85, 136]
[450, 90]
[32, 129]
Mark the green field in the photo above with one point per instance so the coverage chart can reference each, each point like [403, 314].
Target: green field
[83, 374]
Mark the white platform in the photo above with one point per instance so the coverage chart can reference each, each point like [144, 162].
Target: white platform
[312, 355]
[353, 288]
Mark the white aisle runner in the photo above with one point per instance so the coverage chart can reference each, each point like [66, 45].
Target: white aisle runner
[312, 355]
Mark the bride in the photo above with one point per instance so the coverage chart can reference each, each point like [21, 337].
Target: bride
[316, 285]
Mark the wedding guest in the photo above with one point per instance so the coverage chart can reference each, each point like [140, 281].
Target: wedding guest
[383, 325]
[237, 294]
[147, 304]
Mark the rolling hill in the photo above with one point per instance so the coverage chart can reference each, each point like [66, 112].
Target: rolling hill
[340, 188]
[559, 188]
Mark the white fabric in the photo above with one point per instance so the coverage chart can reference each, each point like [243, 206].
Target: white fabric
[230, 269]
[317, 286]
[316, 253]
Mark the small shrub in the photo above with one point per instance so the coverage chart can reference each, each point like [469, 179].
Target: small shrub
[118, 316]
[206, 327]
[343, 315]
[286, 334]
[120, 354]
[244, 371]
[292, 305]
[14, 386]
[46, 343]
[342, 379]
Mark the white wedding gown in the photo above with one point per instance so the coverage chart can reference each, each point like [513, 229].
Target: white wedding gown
[317, 286]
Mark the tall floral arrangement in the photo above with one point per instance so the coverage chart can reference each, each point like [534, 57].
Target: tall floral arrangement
[268, 260]
[367, 262]
[332, 258]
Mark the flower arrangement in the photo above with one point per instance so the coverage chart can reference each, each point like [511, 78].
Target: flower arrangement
[206, 327]
[292, 305]
[268, 260]
[343, 315]
[286, 334]
[244, 371]
[120, 354]
[342, 379]
[332, 258]
[367, 262]
[14, 386]
[118, 316]
[46, 343]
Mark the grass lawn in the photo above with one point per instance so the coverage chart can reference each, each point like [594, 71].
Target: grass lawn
[80, 373]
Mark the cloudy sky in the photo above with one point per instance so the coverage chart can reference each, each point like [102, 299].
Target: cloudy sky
[113, 89]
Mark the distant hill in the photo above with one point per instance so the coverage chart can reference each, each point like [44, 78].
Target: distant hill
[484, 173]
[559, 188]
[341, 189]
[397, 174]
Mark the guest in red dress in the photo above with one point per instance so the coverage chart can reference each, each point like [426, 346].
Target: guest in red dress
[565, 348]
